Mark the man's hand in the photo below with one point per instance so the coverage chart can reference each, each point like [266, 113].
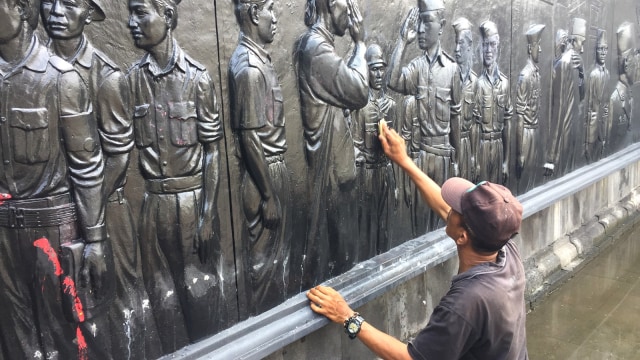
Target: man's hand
[393, 144]
[519, 166]
[548, 169]
[408, 31]
[505, 173]
[205, 239]
[97, 277]
[328, 302]
[355, 22]
[576, 60]
[271, 212]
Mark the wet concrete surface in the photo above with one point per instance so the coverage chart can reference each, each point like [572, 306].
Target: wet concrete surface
[596, 314]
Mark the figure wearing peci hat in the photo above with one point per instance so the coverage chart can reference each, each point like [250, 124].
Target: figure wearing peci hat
[431, 78]
[567, 89]
[597, 124]
[528, 94]
[469, 130]
[493, 111]
[621, 100]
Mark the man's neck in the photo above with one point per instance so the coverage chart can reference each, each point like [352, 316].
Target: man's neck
[67, 48]
[468, 258]
[16, 49]
[163, 52]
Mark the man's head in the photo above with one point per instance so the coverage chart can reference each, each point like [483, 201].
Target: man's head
[490, 43]
[490, 214]
[65, 19]
[257, 19]
[431, 23]
[578, 34]
[533, 40]
[335, 14]
[627, 60]
[601, 47]
[13, 13]
[464, 41]
[150, 21]
[377, 66]
[562, 37]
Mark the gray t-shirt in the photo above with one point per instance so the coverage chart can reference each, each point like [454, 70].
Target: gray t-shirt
[481, 317]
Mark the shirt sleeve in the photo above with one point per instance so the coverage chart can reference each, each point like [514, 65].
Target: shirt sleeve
[209, 125]
[116, 132]
[447, 336]
[249, 100]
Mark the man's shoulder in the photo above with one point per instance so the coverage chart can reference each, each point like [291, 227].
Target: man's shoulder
[193, 62]
[105, 60]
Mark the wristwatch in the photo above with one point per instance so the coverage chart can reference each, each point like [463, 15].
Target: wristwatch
[352, 325]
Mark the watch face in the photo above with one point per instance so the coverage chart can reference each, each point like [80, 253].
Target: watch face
[353, 327]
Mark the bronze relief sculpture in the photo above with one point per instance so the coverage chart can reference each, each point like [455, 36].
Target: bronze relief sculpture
[375, 177]
[597, 128]
[52, 184]
[257, 118]
[329, 85]
[177, 131]
[493, 111]
[433, 80]
[528, 94]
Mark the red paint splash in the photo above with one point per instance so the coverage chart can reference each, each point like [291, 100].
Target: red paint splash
[83, 353]
[44, 245]
[69, 288]
[3, 197]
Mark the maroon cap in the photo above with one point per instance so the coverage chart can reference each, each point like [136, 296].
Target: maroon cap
[492, 214]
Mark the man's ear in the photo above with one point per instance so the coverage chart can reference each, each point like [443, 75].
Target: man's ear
[24, 7]
[332, 3]
[169, 14]
[89, 18]
[254, 14]
[443, 22]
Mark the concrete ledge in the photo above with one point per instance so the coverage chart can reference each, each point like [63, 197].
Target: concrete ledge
[547, 263]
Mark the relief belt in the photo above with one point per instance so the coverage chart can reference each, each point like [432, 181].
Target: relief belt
[174, 185]
[35, 213]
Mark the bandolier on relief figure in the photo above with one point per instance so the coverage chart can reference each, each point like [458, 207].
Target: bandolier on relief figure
[329, 85]
[493, 111]
[257, 118]
[52, 185]
[126, 328]
[375, 178]
[567, 91]
[433, 80]
[621, 100]
[528, 94]
[596, 130]
[469, 129]
[177, 131]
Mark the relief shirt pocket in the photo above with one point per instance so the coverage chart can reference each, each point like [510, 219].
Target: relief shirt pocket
[30, 130]
[443, 100]
[183, 123]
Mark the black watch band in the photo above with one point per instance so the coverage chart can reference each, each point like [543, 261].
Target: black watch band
[352, 325]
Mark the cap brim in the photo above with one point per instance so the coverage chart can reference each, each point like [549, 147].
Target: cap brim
[452, 191]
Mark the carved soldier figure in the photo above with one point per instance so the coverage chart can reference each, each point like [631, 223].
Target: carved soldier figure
[328, 85]
[434, 81]
[621, 100]
[469, 130]
[528, 150]
[52, 186]
[65, 24]
[374, 172]
[257, 118]
[562, 37]
[597, 128]
[177, 130]
[567, 91]
[493, 111]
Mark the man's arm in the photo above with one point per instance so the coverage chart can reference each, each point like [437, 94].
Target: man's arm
[407, 35]
[395, 149]
[328, 302]
[209, 134]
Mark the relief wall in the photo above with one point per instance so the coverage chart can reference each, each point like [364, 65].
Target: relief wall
[171, 168]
